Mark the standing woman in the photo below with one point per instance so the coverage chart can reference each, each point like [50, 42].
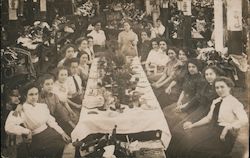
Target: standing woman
[47, 138]
[127, 41]
[214, 135]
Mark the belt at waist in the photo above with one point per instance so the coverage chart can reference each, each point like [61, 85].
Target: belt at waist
[39, 129]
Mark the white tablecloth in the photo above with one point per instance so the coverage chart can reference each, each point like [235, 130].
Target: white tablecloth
[132, 120]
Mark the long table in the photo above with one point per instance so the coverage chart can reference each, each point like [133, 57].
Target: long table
[131, 120]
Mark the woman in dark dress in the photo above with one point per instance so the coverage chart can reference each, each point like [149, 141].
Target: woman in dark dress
[144, 46]
[192, 85]
[214, 135]
[199, 106]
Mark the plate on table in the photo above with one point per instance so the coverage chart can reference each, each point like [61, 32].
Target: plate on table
[91, 102]
[112, 114]
[147, 107]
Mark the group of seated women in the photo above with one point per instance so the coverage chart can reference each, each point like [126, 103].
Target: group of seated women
[203, 116]
[201, 112]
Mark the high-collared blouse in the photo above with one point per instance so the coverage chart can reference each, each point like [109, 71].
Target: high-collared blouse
[231, 112]
[34, 118]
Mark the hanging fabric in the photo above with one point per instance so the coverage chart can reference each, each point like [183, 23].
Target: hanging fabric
[12, 14]
[43, 6]
[20, 7]
[13, 5]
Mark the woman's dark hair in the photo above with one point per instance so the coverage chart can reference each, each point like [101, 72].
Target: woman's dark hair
[27, 87]
[78, 41]
[186, 51]
[81, 53]
[196, 62]
[59, 69]
[72, 60]
[45, 77]
[96, 22]
[128, 21]
[67, 46]
[163, 40]
[228, 81]
[11, 92]
[90, 37]
[217, 71]
[154, 40]
[175, 50]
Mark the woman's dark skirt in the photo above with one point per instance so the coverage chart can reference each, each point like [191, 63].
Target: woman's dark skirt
[165, 99]
[48, 143]
[200, 142]
[194, 116]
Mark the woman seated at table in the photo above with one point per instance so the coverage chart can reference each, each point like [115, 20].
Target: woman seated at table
[61, 88]
[127, 41]
[62, 112]
[35, 122]
[214, 135]
[144, 46]
[68, 52]
[156, 60]
[199, 106]
[171, 93]
[75, 88]
[83, 66]
[11, 102]
[191, 85]
[169, 71]
[82, 45]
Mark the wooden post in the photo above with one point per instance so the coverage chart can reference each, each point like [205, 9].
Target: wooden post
[218, 25]
[13, 5]
[43, 9]
[148, 7]
[186, 6]
[164, 14]
[234, 27]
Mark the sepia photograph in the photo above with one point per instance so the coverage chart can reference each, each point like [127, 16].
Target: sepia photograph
[125, 78]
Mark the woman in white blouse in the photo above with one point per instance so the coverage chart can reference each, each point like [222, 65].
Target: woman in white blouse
[214, 135]
[35, 122]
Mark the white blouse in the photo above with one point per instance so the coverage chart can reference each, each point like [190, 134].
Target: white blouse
[158, 58]
[35, 118]
[71, 85]
[231, 112]
[99, 37]
[61, 90]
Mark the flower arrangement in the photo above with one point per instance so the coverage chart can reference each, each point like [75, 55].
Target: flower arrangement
[118, 74]
[203, 3]
[119, 12]
[86, 9]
